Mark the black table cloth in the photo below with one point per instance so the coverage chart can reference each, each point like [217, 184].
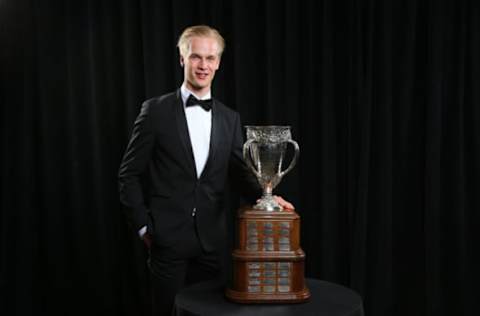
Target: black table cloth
[327, 299]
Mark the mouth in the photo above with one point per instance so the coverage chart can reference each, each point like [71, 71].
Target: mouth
[201, 75]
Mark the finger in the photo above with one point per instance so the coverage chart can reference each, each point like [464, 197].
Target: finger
[289, 206]
[283, 203]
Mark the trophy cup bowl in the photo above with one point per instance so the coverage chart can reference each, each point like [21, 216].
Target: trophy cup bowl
[264, 153]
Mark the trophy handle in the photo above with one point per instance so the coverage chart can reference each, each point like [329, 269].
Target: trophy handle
[294, 160]
[247, 159]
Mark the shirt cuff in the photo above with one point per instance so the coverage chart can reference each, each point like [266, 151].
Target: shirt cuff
[142, 231]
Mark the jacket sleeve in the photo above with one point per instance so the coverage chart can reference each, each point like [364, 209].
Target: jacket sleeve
[135, 161]
[243, 180]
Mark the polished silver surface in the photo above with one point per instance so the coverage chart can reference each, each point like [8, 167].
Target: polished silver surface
[268, 247]
[284, 265]
[270, 265]
[254, 265]
[254, 281]
[284, 247]
[268, 241]
[284, 232]
[283, 281]
[269, 281]
[264, 152]
[252, 245]
[268, 225]
[252, 232]
[268, 232]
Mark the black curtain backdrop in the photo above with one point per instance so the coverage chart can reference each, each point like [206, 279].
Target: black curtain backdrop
[382, 96]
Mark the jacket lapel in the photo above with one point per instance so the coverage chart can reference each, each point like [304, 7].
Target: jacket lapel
[214, 138]
[182, 127]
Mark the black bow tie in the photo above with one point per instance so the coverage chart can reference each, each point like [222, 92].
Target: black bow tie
[205, 104]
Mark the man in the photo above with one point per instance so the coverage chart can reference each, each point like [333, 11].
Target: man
[187, 144]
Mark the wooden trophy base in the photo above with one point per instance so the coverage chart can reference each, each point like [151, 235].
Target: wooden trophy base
[268, 263]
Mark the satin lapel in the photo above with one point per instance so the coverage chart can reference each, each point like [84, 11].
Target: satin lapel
[183, 133]
[214, 138]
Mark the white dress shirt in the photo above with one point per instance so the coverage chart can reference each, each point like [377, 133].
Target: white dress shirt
[199, 124]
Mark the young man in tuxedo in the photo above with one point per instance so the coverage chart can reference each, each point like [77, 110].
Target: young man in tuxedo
[187, 144]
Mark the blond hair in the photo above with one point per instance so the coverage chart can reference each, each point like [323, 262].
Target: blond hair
[199, 31]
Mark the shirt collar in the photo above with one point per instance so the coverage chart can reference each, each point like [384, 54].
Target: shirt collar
[186, 93]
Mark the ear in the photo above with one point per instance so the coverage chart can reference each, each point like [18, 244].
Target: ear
[181, 61]
[218, 63]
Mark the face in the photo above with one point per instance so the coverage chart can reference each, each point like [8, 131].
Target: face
[200, 64]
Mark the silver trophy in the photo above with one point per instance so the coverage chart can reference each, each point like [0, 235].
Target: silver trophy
[264, 153]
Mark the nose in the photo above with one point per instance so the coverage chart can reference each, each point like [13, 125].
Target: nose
[202, 64]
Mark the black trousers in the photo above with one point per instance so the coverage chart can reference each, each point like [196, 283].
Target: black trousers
[171, 269]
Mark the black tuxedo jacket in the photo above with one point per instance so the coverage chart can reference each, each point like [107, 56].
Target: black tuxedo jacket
[160, 149]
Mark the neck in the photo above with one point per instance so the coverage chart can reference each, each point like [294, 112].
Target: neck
[199, 92]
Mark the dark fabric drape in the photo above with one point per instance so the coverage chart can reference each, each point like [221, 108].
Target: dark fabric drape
[382, 96]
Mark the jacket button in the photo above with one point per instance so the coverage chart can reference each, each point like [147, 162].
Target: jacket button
[194, 211]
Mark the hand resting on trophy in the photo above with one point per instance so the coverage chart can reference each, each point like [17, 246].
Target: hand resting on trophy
[287, 206]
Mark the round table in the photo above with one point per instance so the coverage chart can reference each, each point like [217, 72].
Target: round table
[327, 299]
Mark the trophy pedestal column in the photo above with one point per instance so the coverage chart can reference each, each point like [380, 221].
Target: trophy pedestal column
[268, 263]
